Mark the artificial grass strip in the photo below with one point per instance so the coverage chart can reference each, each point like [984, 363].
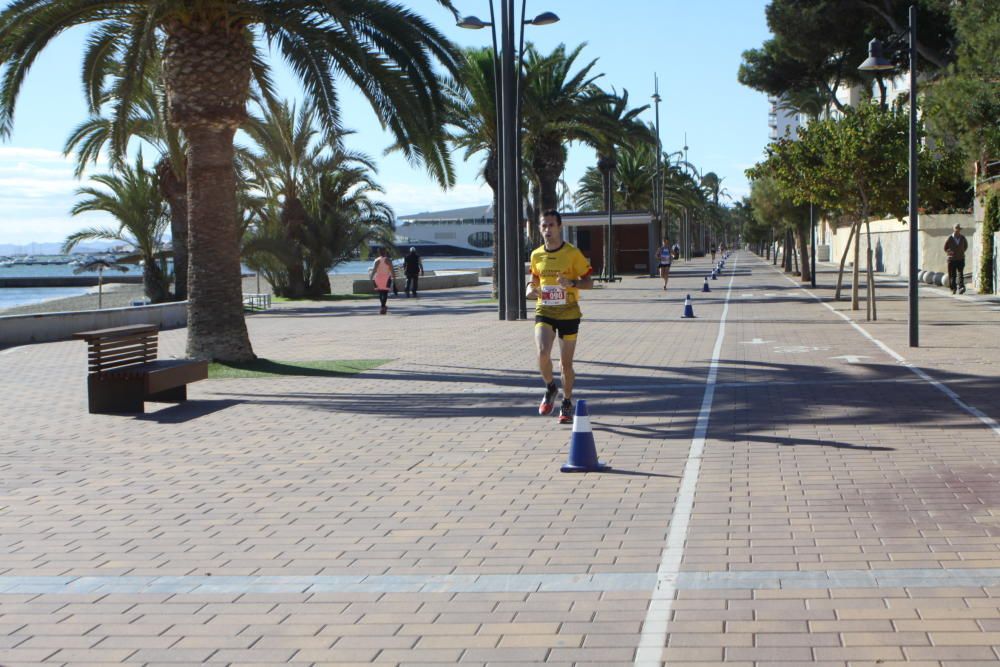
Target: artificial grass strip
[262, 368]
[324, 297]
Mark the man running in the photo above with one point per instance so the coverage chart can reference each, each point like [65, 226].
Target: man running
[558, 272]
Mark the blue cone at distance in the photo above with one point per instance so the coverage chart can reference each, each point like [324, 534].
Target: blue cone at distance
[688, 308]
[582, 450]
[705, 287]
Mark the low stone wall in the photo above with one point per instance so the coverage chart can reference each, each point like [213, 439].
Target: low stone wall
[43, 327]
[891, 238]
[432, 280]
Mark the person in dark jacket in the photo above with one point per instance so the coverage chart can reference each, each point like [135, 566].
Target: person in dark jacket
[955, 248]
[413, 268]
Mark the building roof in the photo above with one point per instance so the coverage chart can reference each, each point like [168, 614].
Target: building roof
[470, 212]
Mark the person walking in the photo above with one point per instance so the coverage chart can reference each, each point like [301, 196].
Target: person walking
[713, 252]
[558, 272]
[955, 248]
[381, 275]
[676, 250]
[666, 256]
[413, 268]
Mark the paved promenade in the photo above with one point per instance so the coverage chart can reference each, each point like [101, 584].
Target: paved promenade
[791, 485]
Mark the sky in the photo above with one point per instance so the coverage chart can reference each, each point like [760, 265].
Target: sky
[693, 47]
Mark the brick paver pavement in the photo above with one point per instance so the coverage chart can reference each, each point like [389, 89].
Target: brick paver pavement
[841, 512]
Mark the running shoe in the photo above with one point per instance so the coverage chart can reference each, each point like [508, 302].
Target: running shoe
[548, 400]
[566, 412]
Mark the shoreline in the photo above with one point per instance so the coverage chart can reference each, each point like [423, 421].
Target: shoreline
[120, 295]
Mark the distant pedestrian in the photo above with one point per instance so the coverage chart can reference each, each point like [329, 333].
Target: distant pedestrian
[955, 248]
[676, 249]
[413, 267]
[381, 275]
[666, 258]
[713, 252]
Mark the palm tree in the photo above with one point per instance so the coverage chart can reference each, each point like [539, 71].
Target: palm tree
[133, 199]
[148, 122]
[338, 218]
[210, 49]
[472, 112]
[288, 153]
[560, 107]
[100, 265]
[635, 169]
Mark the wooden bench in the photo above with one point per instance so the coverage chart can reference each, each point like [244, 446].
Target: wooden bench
[123, 371]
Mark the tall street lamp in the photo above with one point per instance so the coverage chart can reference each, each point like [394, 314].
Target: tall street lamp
[510, 284]
[657, 186]
[876, 62]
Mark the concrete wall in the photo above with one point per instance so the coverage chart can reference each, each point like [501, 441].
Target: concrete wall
[433, 280]
[891, 245]
[43, 327]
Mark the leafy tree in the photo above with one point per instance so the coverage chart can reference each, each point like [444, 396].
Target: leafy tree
[133, 199]
[210, 48]
[965, 104]
[856, 166]
[817, 44]
[775, 210]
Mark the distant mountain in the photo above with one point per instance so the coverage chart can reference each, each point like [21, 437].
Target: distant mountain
[55, 248]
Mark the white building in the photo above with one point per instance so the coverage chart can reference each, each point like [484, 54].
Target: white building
[783, 122]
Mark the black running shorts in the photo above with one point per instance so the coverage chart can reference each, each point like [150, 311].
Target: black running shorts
[564, 328]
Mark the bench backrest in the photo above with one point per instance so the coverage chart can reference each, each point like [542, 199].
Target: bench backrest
[119, 347]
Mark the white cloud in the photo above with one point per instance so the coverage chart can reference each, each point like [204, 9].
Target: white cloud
[37, 190]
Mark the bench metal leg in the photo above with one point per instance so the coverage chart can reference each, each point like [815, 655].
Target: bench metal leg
[175, 395]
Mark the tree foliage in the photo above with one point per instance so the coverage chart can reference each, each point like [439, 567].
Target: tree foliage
[965, 104]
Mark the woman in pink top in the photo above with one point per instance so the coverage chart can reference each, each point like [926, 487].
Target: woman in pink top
[381, 275]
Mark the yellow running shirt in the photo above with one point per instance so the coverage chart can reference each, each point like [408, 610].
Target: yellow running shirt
[554, 301]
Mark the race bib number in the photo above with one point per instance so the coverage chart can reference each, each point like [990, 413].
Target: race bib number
[553, 295]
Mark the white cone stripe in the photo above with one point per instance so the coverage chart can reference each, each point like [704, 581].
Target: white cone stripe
[656, 624]
[581, 424]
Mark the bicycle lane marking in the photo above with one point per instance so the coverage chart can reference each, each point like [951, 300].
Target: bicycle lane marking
[655, 627]
[988, 421]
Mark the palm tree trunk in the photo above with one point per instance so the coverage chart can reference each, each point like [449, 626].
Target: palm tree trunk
[216, 328]
[174, 191]
[154, 282]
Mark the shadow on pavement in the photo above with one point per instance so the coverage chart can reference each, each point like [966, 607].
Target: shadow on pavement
[185, 412]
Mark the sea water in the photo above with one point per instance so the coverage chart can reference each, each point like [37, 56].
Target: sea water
[21, 296]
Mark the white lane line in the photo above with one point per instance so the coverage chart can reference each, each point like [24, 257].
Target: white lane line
[655, 628]
[988, 421]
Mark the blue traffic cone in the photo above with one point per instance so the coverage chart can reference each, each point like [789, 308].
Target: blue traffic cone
[715, 274]
[582, 450]
[705, 287]
[688, 308]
